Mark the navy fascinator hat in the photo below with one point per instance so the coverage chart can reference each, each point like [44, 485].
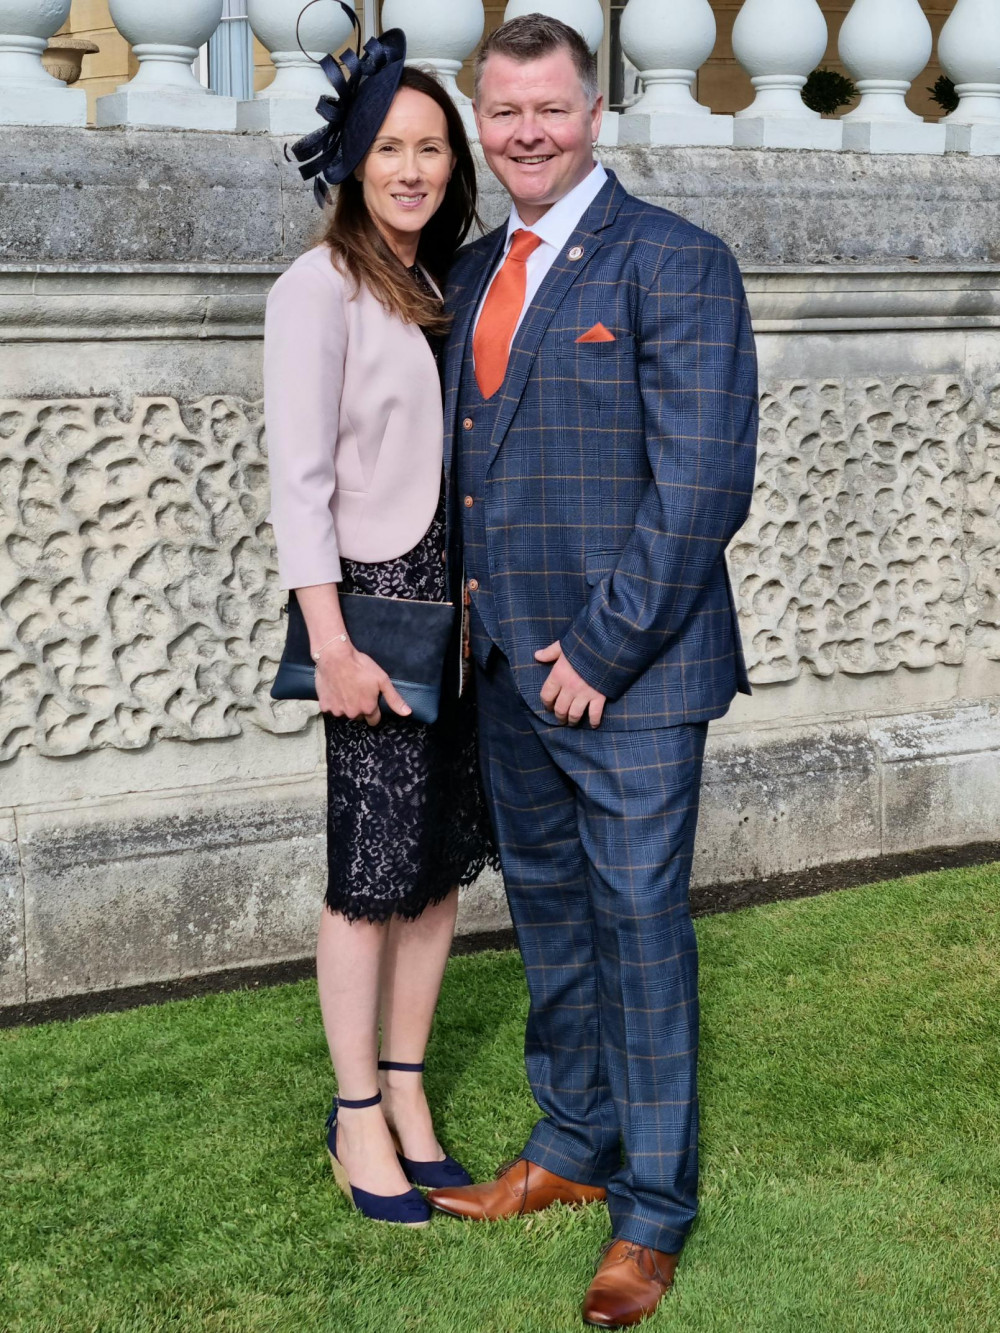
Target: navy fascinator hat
[354, 117]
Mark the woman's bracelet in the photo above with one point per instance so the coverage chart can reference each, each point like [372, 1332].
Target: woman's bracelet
[337, 638]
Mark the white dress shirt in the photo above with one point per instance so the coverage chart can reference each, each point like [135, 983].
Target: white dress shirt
[554, 228]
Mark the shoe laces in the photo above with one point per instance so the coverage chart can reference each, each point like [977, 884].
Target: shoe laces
[636, 1252]
[629, 1253]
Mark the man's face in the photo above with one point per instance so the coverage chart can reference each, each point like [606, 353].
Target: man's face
[536, 128]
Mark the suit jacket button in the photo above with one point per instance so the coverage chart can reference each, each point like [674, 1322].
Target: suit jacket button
[473, 585]
[467, 423]
[469, 502]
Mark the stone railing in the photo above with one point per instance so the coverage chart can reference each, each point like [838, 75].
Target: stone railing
[885, 44]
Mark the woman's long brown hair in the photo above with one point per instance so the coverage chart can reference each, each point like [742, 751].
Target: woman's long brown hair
[360, 250]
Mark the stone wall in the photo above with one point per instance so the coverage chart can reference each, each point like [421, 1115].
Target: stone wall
[159, 816]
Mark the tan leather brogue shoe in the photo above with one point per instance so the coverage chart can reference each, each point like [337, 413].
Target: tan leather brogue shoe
[520, 1187]
[629, 1284]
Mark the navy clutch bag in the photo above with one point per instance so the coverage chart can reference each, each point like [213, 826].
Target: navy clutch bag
[409, 640]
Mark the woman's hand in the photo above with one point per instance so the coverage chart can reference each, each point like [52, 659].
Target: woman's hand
[349, 683]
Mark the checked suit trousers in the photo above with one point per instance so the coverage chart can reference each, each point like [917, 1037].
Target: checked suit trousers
[596, 831]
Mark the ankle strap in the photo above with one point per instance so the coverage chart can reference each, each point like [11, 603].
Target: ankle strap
[406, 1069]
[358, 1106]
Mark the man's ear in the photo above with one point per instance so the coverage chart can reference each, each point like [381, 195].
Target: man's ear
[596, 116]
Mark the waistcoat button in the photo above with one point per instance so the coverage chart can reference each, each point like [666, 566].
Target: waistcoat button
[469, 502]
[473, 585]
[467, 423]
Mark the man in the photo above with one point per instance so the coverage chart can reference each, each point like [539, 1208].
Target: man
[601, 382]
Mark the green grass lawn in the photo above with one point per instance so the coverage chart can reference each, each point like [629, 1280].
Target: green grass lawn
[164, 1169]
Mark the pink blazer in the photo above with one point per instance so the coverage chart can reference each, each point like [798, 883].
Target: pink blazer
[355, 428]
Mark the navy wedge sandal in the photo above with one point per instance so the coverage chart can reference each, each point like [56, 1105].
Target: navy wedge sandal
[410, 1209]
[428, 1175]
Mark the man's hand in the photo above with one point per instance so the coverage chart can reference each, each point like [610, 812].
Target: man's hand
[566, 693]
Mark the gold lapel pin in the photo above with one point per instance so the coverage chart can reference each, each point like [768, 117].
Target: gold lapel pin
[575, 253]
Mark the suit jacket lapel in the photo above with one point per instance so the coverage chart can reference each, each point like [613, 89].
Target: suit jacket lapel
[584, 244]
[464, 311]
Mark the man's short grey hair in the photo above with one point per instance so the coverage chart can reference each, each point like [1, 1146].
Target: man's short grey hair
[535, 36]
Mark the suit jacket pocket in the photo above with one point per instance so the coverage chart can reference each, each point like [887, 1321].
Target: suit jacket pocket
[619, 342]
[600, 565]
[592, 353]
[603, 380]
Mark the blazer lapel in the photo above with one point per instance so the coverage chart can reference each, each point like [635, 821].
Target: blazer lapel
[464, 311]
[583, 245]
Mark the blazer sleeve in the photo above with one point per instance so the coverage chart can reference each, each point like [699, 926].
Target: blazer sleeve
[697, 381]
[305, 345]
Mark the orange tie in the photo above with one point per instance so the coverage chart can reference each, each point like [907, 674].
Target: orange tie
[501, 311]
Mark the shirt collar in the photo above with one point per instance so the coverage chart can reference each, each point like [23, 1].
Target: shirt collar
[560, 222]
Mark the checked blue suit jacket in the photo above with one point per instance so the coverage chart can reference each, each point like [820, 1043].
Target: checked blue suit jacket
[619, 471]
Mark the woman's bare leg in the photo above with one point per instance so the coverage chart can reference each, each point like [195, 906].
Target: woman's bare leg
[349, 967]
[414, 965]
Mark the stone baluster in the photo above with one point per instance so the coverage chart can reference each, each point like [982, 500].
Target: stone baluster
[885, 44]
[288, 104]
[779, 43]
[165, 36]
[440, 37]
[29, 95]
[587, 17]
[668, 44]
[969, 51]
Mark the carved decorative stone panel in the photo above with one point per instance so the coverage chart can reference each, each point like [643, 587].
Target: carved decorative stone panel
[138, 585]
[982, 526]
[138, 591]
[874, 541]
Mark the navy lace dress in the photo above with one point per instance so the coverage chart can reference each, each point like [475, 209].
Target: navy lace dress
[406, 815]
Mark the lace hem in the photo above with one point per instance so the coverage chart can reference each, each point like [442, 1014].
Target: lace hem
[379, 910]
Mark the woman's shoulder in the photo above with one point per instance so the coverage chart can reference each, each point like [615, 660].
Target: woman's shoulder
[313, 272]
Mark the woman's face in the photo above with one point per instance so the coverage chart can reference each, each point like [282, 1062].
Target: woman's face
[406, 172]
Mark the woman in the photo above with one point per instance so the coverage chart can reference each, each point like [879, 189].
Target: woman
[355, 435]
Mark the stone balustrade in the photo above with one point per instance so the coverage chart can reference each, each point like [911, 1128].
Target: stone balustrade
[970, 52]
[29, 95]
[288, 104]
[884, 44]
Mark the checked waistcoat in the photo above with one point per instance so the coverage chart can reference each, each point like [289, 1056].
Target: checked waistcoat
[472, 459]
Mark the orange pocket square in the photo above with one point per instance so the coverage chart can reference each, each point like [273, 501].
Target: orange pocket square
[598, 334]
